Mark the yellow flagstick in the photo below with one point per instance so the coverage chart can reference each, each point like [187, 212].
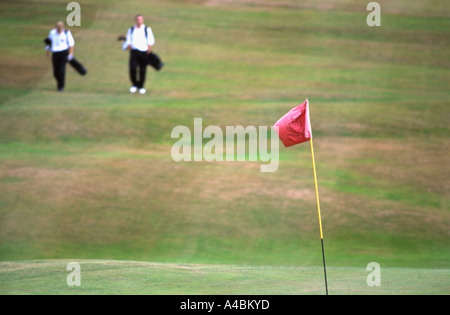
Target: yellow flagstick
[318, 212]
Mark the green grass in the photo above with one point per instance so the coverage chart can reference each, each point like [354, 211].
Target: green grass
[89, 175]
[128, 277]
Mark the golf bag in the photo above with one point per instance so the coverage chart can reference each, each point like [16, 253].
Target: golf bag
[155, 61]
[78, 66]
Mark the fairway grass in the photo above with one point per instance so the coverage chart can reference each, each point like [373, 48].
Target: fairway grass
[131, 277]
[88, 174]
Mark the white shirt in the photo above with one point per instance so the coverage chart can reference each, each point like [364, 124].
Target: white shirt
[60, 41]
[137, 39]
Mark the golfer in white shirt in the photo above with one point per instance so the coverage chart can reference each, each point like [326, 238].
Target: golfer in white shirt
[62, 46]
[139, 42]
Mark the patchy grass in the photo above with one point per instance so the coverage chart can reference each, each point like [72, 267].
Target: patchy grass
[128, 277]
[90, 175]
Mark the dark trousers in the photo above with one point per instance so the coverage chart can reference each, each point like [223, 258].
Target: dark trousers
[138, 59]
[59, 60]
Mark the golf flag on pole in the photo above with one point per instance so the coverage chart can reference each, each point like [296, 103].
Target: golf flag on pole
[295, 128]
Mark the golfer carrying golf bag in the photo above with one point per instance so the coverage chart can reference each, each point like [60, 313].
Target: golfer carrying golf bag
[139, 42]
[61, 43]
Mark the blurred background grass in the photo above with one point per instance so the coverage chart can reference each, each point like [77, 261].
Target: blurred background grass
[88, 173]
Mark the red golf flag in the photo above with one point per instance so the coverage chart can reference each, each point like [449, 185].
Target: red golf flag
[295, 127]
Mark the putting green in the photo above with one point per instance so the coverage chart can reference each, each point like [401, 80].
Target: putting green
[128, 277]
